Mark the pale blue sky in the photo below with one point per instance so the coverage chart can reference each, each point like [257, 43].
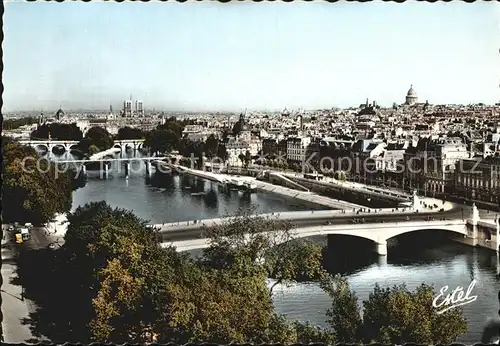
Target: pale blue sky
[213, 56]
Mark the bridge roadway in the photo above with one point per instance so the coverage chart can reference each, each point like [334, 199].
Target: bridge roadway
[69, 144]
[111, 160]
[193, 231]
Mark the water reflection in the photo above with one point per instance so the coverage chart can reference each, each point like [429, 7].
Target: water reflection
[169, 198]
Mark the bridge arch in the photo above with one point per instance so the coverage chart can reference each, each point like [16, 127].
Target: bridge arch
[58, 149]
[451, 230]
[41, 147]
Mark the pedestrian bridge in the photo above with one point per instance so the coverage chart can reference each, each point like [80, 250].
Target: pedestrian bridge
[379, 233]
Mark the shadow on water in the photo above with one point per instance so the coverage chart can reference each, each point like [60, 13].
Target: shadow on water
[424, 247]
[211, 199]
[163, 181]
[347, 255]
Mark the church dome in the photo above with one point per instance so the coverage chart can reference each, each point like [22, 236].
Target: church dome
[411, 92]
[411, 96]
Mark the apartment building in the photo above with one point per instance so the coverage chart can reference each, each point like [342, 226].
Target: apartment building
[296, 148]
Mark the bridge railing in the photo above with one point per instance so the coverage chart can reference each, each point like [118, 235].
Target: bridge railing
[292, 216]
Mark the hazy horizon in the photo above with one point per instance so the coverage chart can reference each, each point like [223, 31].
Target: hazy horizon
[208, 57]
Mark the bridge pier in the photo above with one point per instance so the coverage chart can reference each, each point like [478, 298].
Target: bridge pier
[382, 261]
[105, 171]
[381, 248]
[472, 232]
[148, 167]
[127, 169]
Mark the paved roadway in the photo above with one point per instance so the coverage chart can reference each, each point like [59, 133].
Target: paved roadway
[14, 307]
[455, 213]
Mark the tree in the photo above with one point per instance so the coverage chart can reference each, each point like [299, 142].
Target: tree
[97, 136]
[256, 244]
[391, 316]
[344, 316]
[41, 132]
[237, 127]
[35, 188]
[93, 149]
[340, 175]
[65, 132]
[308, 334]
[211, 146]
[140, 292]
[58, 131]
[173, 125]
[161, 141]
[245, 158]
[396, 315]
[12, 124]
[115, 265]
[128, 132]
[222, 152]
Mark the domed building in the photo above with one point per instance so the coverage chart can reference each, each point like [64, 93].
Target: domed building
[411, 96]
[59, 114]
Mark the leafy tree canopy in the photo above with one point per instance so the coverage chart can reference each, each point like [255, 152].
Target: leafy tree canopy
[97, 136]
[58, 131]
[161, 141]
[130, 133]
[12, 124]
[34, 187]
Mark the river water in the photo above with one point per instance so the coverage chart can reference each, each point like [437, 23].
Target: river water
[414, 260]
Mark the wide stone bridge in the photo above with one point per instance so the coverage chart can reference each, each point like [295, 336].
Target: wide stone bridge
[383, 226]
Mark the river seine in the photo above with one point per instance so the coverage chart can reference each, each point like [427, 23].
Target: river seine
[413, 260]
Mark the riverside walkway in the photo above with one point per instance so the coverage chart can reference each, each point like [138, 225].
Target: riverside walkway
[305, 196]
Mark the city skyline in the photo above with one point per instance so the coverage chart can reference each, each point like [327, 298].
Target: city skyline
[228, 57]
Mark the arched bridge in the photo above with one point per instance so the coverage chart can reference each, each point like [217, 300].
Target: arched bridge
[48, 145]
[67, 145]
[379, 233]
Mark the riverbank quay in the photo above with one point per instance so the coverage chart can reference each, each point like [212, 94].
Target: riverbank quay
[15, 307]
[309, 197]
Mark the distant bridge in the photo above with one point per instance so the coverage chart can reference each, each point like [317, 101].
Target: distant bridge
[68, 145]
[112, 160]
